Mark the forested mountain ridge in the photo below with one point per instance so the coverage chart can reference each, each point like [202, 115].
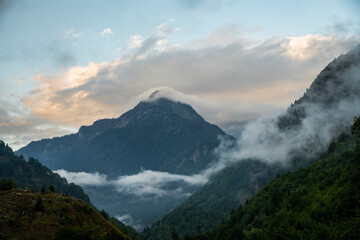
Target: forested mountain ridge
[160, 135]
[33, 175]
[336, 82]
[317, 202]
[214, 201]
[293, 140]
[28, 215]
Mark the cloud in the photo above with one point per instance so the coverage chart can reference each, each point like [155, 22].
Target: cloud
[222, 36]
[239, 82]
[155, 183]
[135, 41]
[327, 116]
[196, 4]
[83, 178]
[129, 220]
[165, 28]
[145, 184]
[107, 32]
[72, 33]
[344, 28]
[5, 5]
[308, 46]
[228, 79]
[60, 56]
[18, 126]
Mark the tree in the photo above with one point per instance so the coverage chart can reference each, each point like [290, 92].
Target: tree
[355, 130]
[199, 228]
[174, 234]
[39, 205]
[43, 190]
[105, 214]
[7, 184]
[52, 188]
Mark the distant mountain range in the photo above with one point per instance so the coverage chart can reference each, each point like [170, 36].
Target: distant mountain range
[300, 135]
[159, 134]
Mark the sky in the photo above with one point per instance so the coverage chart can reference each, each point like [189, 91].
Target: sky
[66, 63]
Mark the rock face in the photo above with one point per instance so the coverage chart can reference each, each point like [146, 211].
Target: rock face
[160, 135]
[28, 215]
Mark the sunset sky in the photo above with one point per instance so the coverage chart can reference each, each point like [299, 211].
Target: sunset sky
[68, 63]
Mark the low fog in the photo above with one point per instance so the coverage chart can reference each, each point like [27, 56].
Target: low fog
[139, 199]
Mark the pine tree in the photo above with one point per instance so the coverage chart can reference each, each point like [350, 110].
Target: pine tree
[39, 206]
[174, 234]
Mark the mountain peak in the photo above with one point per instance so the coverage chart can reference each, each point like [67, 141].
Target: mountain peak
[159, 134]
[168, 106]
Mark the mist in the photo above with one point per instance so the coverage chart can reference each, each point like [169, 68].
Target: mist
[307, 128]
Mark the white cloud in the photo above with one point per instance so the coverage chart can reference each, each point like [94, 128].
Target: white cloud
[306, 47]
[135, 41]
[238, 83]
[107, 32]
[155, 183]
[83, 178]
[144, 184]
[72, 33]
[222, 36]
[165, 28]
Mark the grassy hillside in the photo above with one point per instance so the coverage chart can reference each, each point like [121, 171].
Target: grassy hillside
[28, 215]
[317, 202]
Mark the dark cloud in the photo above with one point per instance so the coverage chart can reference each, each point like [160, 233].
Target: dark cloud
[196, 4]
[5, 5]
[190, 4]
[345, 28]
[61, 56]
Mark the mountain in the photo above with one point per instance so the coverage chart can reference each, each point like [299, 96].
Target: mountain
[160, 135]
[28, 215]
[337, 82]
[295, 139]
[318, 202]
[33, 175]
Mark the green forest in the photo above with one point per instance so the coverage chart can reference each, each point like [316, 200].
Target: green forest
[317, 202]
